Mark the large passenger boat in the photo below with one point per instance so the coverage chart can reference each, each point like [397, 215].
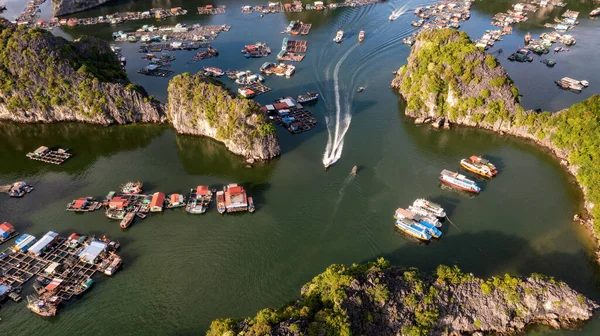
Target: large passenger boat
[407, 226]
[479, 166]
[458, 181]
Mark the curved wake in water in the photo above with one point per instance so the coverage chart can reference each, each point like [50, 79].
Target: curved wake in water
[337, 131]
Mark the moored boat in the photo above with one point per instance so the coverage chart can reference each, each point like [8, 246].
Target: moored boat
[417, 214]
[407, 226]
[41, 306]
[430, 229]
[479, 166]
[221, 202]
[339, 36]
[127, 220]
[114, 265]
[458, 181]
[251, 207]
[308, 97]
[361, 36]
[595, 12]
[84, 285]
[431, 207]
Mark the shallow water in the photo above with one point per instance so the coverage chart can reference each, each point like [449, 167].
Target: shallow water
[181, 271]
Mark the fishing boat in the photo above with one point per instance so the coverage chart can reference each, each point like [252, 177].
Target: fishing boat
[113, 266]
[396, 14]
[431, 207]
[251, 207]
[361, 36]
[212, 71]
[41, 306]
[479, 166]
[339, 36]
[458, 181]
[84, 285]
[199, 200]
[308, 97]
[407, 226]
[132, 188]
[221, 202]
[354, 170]
[127, 220]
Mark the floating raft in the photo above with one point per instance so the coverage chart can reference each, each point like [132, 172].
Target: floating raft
[156, 71]
[211, 10]
[258, 88]
[290, 56]
[296, 46]
[47, 155]
[291, 115]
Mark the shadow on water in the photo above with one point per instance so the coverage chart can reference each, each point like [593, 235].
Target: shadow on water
[88, 143]
[481, 253]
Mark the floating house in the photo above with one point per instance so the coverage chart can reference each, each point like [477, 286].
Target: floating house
[54, 267]
[45, 243]
[92, 252]
[157, 203]
[6, 229]
[24, 242]
[54, 285]
[235, 198]
[118, 203]
[201, 191]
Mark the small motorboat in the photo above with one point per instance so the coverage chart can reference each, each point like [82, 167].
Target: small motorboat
[360, 89]
[354, 170]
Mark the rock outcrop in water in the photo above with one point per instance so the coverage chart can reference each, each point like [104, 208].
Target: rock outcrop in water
[376, 299]
[64, 7]
[44, 78]
[448, 77]
[199, 105]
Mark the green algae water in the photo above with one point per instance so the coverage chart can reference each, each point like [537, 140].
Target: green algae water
[181, 271]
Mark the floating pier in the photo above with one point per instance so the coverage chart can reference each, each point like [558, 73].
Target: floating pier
[47, 155]
[211, 10]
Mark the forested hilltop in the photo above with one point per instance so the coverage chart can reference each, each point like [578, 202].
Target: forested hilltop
[200, 105]
[447, 76]
[44, 78]
[379, 299]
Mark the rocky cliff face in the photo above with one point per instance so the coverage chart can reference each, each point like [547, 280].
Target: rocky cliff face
[202, 106]
[44, 78]
[376, 299]
[64, 7]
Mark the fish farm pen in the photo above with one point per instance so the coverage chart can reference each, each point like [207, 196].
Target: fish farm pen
[64, 266]
[156, 71]
[185, 45]
[204, 54]
[291, 115]
[290, 56]
[47, 155]
[295, 46]
[184, 33]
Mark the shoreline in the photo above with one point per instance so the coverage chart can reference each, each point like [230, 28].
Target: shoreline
[587, 220]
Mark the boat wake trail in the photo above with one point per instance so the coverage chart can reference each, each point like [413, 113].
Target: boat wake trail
[337, 128]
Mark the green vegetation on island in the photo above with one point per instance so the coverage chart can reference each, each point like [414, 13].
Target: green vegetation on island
[378, 299]
[203, 106]
[47, 78]
[467, 86]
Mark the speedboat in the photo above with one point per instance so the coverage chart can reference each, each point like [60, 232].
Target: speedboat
[339, 36]
[361, 36]
[396, 14]
[354, 170]
[360, 89]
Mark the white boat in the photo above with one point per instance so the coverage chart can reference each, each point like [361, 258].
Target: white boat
[396, 14]
[289, 71]
[431, 207]
[339, 36]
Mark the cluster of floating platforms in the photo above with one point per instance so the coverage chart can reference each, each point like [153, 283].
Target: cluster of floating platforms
[29, 16]
[290, 115]
[181, 32]
[297, 28]
[17, 189]
[84, 204]
[47, 155]
[174, 46]
[233, 198]
[292, 50]
[204, 54]
[116, 18]
[64, 267]
[297, 6]
[259, 49]
[155, 70]
[253, 89]
[211, 10]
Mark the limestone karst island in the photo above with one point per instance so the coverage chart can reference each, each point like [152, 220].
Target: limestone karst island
[315, 168]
